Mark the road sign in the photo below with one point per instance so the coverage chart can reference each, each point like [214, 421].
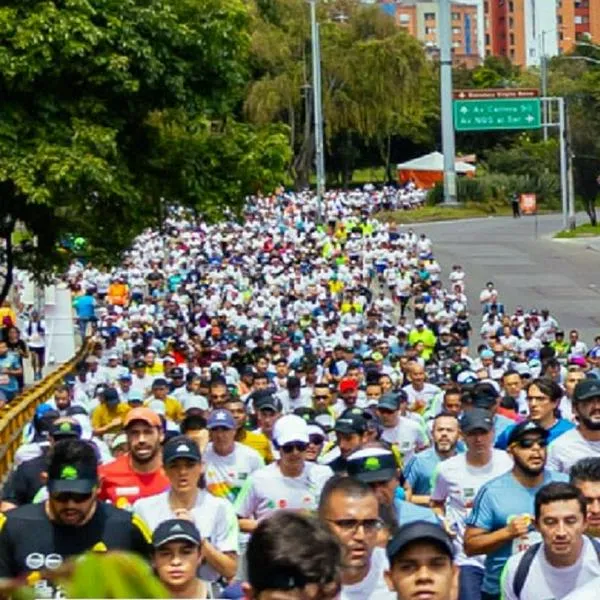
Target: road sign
[480, 110]
[527, 204]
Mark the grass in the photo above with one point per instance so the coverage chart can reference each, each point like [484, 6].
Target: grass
[582, 231]
[446, 213]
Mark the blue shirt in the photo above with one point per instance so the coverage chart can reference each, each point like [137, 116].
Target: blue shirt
[501, 423]
[408, 513]
[561, 426]
[85, 307]
[419, 470]
[9, 383]
[497, 503]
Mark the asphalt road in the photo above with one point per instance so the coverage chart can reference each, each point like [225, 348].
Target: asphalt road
[528, 271]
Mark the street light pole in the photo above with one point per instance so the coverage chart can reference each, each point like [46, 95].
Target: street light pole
[318, 109]
[448, 141]
[544, 74]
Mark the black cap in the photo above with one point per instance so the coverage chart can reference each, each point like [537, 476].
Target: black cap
[110, 395]
[176, 530]
[177, 372]
[586, 389]
[389, 401]
[351, 421]
[160, 382]
[526, 427]
[138, 364]
[268, 402]
[419, 531]
[65, 429]
[180, 447]
[478, 418]
[306, 412]
[371, 465]
[293, 383]
[80, 479]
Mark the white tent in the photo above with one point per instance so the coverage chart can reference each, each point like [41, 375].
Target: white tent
[434, 161]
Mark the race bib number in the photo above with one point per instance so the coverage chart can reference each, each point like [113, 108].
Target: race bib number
[524, 542]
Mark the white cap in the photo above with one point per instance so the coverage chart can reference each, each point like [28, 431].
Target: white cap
[419, 322]
[290, 428]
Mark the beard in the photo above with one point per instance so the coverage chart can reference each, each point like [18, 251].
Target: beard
[588, 423]
[527, 470]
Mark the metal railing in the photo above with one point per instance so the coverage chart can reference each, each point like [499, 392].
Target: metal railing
[15, 415]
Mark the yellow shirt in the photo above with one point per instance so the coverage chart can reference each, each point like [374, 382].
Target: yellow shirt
[257, 441]
[103, 414]
[156, 369]
[173, 409]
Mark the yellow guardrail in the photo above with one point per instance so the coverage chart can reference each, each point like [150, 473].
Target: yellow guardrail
[14, 416]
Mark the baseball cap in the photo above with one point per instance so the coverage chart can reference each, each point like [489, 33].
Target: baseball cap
[348, 384]
[586, 389]
[111, 396]
[135, 396]
[419, 531]
[389, 401]
[419, 323]
[526, 427]
[351, 421]
[144, 414]
[160, 382]
[290, 428]
[372, 464]
[478, 418]
[486, 353]
[180, 447]
[139, 364]
[176, 530]
[293, 383]
[125, 376]
[220, 418]
[113, 356]
[77, 479]
[62, 430]
[268, 402]
[377, 356]
[177, 372]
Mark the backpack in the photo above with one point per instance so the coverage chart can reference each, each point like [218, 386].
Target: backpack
[527, 559]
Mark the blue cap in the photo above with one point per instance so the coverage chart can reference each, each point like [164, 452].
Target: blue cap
[220, 418]
[125, 376]
[42, 409]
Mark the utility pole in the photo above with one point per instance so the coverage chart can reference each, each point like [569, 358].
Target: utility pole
[448, 141]
[318, 109]
[544, 74]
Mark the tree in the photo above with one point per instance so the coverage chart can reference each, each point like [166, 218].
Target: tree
[93, 93]
[377, 83]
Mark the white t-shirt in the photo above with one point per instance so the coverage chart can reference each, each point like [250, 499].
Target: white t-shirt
[547, 582]
[373, 586]
[214, 517]
[408, 435]
[225, 475]
[268, 490]
[457, 482]
[567, 449]
[587, 592]
[426, 395]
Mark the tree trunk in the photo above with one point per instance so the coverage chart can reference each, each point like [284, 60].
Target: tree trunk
[347, 174]
[9, 258]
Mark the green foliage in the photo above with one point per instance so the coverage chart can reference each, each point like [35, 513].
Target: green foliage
[92, 92]
[526, 157]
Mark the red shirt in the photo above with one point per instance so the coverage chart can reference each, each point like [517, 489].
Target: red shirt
[510, 414]
[122, 486]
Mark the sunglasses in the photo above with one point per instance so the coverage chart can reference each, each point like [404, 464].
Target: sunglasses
[316, 439]
[351, 525]
[289, 448]
[321, 397]
[71, 496]
[531, 443]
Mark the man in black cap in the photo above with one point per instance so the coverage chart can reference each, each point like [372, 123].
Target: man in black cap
[177, 380]
[294, 395]
[72, 521]
[29, 477]
[502, 520]
[140, 379]
[456, 482]
[584, 440]
[421, 563]
[268, 410]
[351, 433]
[176, 558]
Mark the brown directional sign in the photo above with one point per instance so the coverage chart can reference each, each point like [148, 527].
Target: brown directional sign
[495, 94]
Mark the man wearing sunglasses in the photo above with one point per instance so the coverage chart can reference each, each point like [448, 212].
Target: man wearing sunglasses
[38, 537]
[349, 508]
[502, 520]
[290, 483]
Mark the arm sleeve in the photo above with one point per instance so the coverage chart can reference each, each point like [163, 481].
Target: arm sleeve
[7, 565]
[227, 530]
[410, 472]
[439, 486]
[553, 463]
[482, 514]
[141, 538]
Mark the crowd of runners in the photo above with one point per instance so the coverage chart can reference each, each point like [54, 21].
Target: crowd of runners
[277, 408]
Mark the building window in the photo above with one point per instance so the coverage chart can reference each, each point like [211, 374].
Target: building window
[511, 7]
[511, 23]
[512, 53]
[487, 39]
[559, 19]
[456, 30]
[430, 16]
[512, 39]
[404, 18]
[486, 7]
[429, 30]
[455, 16]
[456, 44]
